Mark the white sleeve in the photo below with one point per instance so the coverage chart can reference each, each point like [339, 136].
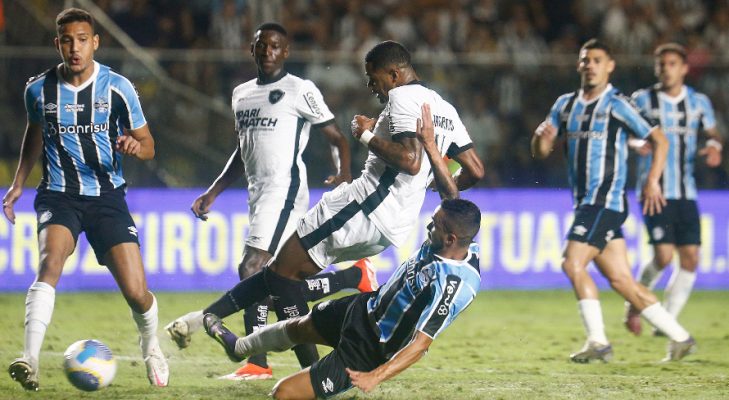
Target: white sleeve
[461, 139]
[310, 104]
[403, 113]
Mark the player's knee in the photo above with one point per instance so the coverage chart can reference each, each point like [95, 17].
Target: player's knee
[137, 298]
[621, 283]
[662, 259]
[570, 267]
[283, 390]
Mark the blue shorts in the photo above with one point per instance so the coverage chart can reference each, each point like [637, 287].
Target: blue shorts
[678, 223]
[596, 225]
[105, 218]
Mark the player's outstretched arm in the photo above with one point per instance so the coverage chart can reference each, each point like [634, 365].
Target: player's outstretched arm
[653, 200]
[402, 153]
[136, 142]
[402, 360]
[30, 152]
[232, 172]
[543, 139]
[713, 148]
[340, 155]
[471, 171]
[425, 133]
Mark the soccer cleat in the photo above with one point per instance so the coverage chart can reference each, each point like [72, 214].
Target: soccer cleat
[217, 330]
[658, 333]
[23, 372]
[679, 350]
[368, 281]
[249, 372]
[632, 319]
[158, 371]
[593, 351]
[179, 331]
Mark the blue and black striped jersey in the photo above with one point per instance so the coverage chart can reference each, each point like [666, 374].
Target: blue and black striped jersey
[80, 127]
[682, 118]
[425, 293]
[597, 149]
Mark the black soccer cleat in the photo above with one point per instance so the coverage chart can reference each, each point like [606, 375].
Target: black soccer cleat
[217, 330]
[23, 372]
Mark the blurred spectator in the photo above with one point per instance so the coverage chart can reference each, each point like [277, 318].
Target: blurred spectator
[229, 28]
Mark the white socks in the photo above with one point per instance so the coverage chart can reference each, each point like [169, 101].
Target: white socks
[147, 327]
[665, 322]
[194, 321]
[268, 338]
[649, 275]
[591, 314]
[678, 291]
[38, 311]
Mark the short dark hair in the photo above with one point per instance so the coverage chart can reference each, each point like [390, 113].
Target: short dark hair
[388, 53]
[74, 15]
[595, 43]
[670, 48]
[464, 219]
[272, 26]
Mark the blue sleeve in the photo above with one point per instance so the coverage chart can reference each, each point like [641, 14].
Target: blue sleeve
[450, 296]
[626, 113]
[134, 117]
[708, 120]
[31, 97]
[554, 116]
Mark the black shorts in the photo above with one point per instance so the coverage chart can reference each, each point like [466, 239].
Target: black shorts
[105, 219]
[344, 324]
[678, 223]
[596, 225]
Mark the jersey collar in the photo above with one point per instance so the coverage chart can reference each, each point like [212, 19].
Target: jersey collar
[608, 88]
[671, 99]
[81, 86]
[276, 78]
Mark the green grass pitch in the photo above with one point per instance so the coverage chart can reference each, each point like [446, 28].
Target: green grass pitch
[507, 345]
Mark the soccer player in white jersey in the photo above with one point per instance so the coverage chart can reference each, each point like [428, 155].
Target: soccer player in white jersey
[381, 206]
[82, 118]
[273, 116]
[684, 114]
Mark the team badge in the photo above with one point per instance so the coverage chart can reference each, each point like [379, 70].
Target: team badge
[658, 233]
[425, 276]
[101, 105]
[275, 96]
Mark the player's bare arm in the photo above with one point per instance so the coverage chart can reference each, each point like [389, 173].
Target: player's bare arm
[425, 133]
[402, 153]
[233, 171]
[471, 170]
[402, 360]
[712, 150]
[341, 146]
[30, 152]
[138, 143]
[653, 200]
[543, 140]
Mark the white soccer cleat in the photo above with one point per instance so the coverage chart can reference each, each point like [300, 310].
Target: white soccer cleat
[158, 371]
[179, 331]
[679, 350]
[593, 351]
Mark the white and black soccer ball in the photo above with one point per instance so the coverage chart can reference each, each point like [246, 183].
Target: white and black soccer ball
[89, 365]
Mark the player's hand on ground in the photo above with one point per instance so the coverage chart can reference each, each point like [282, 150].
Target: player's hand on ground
[365, 381]
[201, 206]
[128, 145]
[713, 156]
[361, 123]
[653, 200]
[9, 200]
[424, 130]
[335, 180]
[546, 130]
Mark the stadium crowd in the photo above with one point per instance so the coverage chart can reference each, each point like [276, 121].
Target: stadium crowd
[489, 57]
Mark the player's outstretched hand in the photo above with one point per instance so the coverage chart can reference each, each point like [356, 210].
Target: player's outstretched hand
[201, 206]
[361, 123]
[653, 200]
[9, 200]
[424, 130]
[546, 130]
[335, 180]
[128, 145]
[365, 381]
[713, 156]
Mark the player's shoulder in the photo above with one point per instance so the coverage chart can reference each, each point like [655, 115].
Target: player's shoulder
[117, 80]
[698, 96]
[245, 86]
[641, 93]
[564, 98]
[34, 84]
[619, 100]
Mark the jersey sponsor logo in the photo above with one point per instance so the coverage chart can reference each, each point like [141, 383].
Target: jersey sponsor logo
[579, 230]
[595, 135]
[327, 385]
[101, 105]
[45, 217]
[54, 129]
[291, 311]
[411, 274]
[74, 107]
[275, 95]
[311, 102]
[251, 118]
[320, 285]
[443, 123]
[450, 293]
[50, 108]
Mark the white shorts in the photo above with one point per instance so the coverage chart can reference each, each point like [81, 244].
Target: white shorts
[337, 230]
[272, 223]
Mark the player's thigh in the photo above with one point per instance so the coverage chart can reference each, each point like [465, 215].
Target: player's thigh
[613, 262]
[661, 227]
[294, 387]
[688, 225]
[124, 261]
[577, 255]
[55, 244]
[253, 261]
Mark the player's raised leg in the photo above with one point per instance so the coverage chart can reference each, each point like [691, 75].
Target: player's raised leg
[125, 263]
[56, 243]
[648, 276]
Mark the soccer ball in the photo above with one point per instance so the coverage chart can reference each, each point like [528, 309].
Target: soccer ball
[89, 365]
